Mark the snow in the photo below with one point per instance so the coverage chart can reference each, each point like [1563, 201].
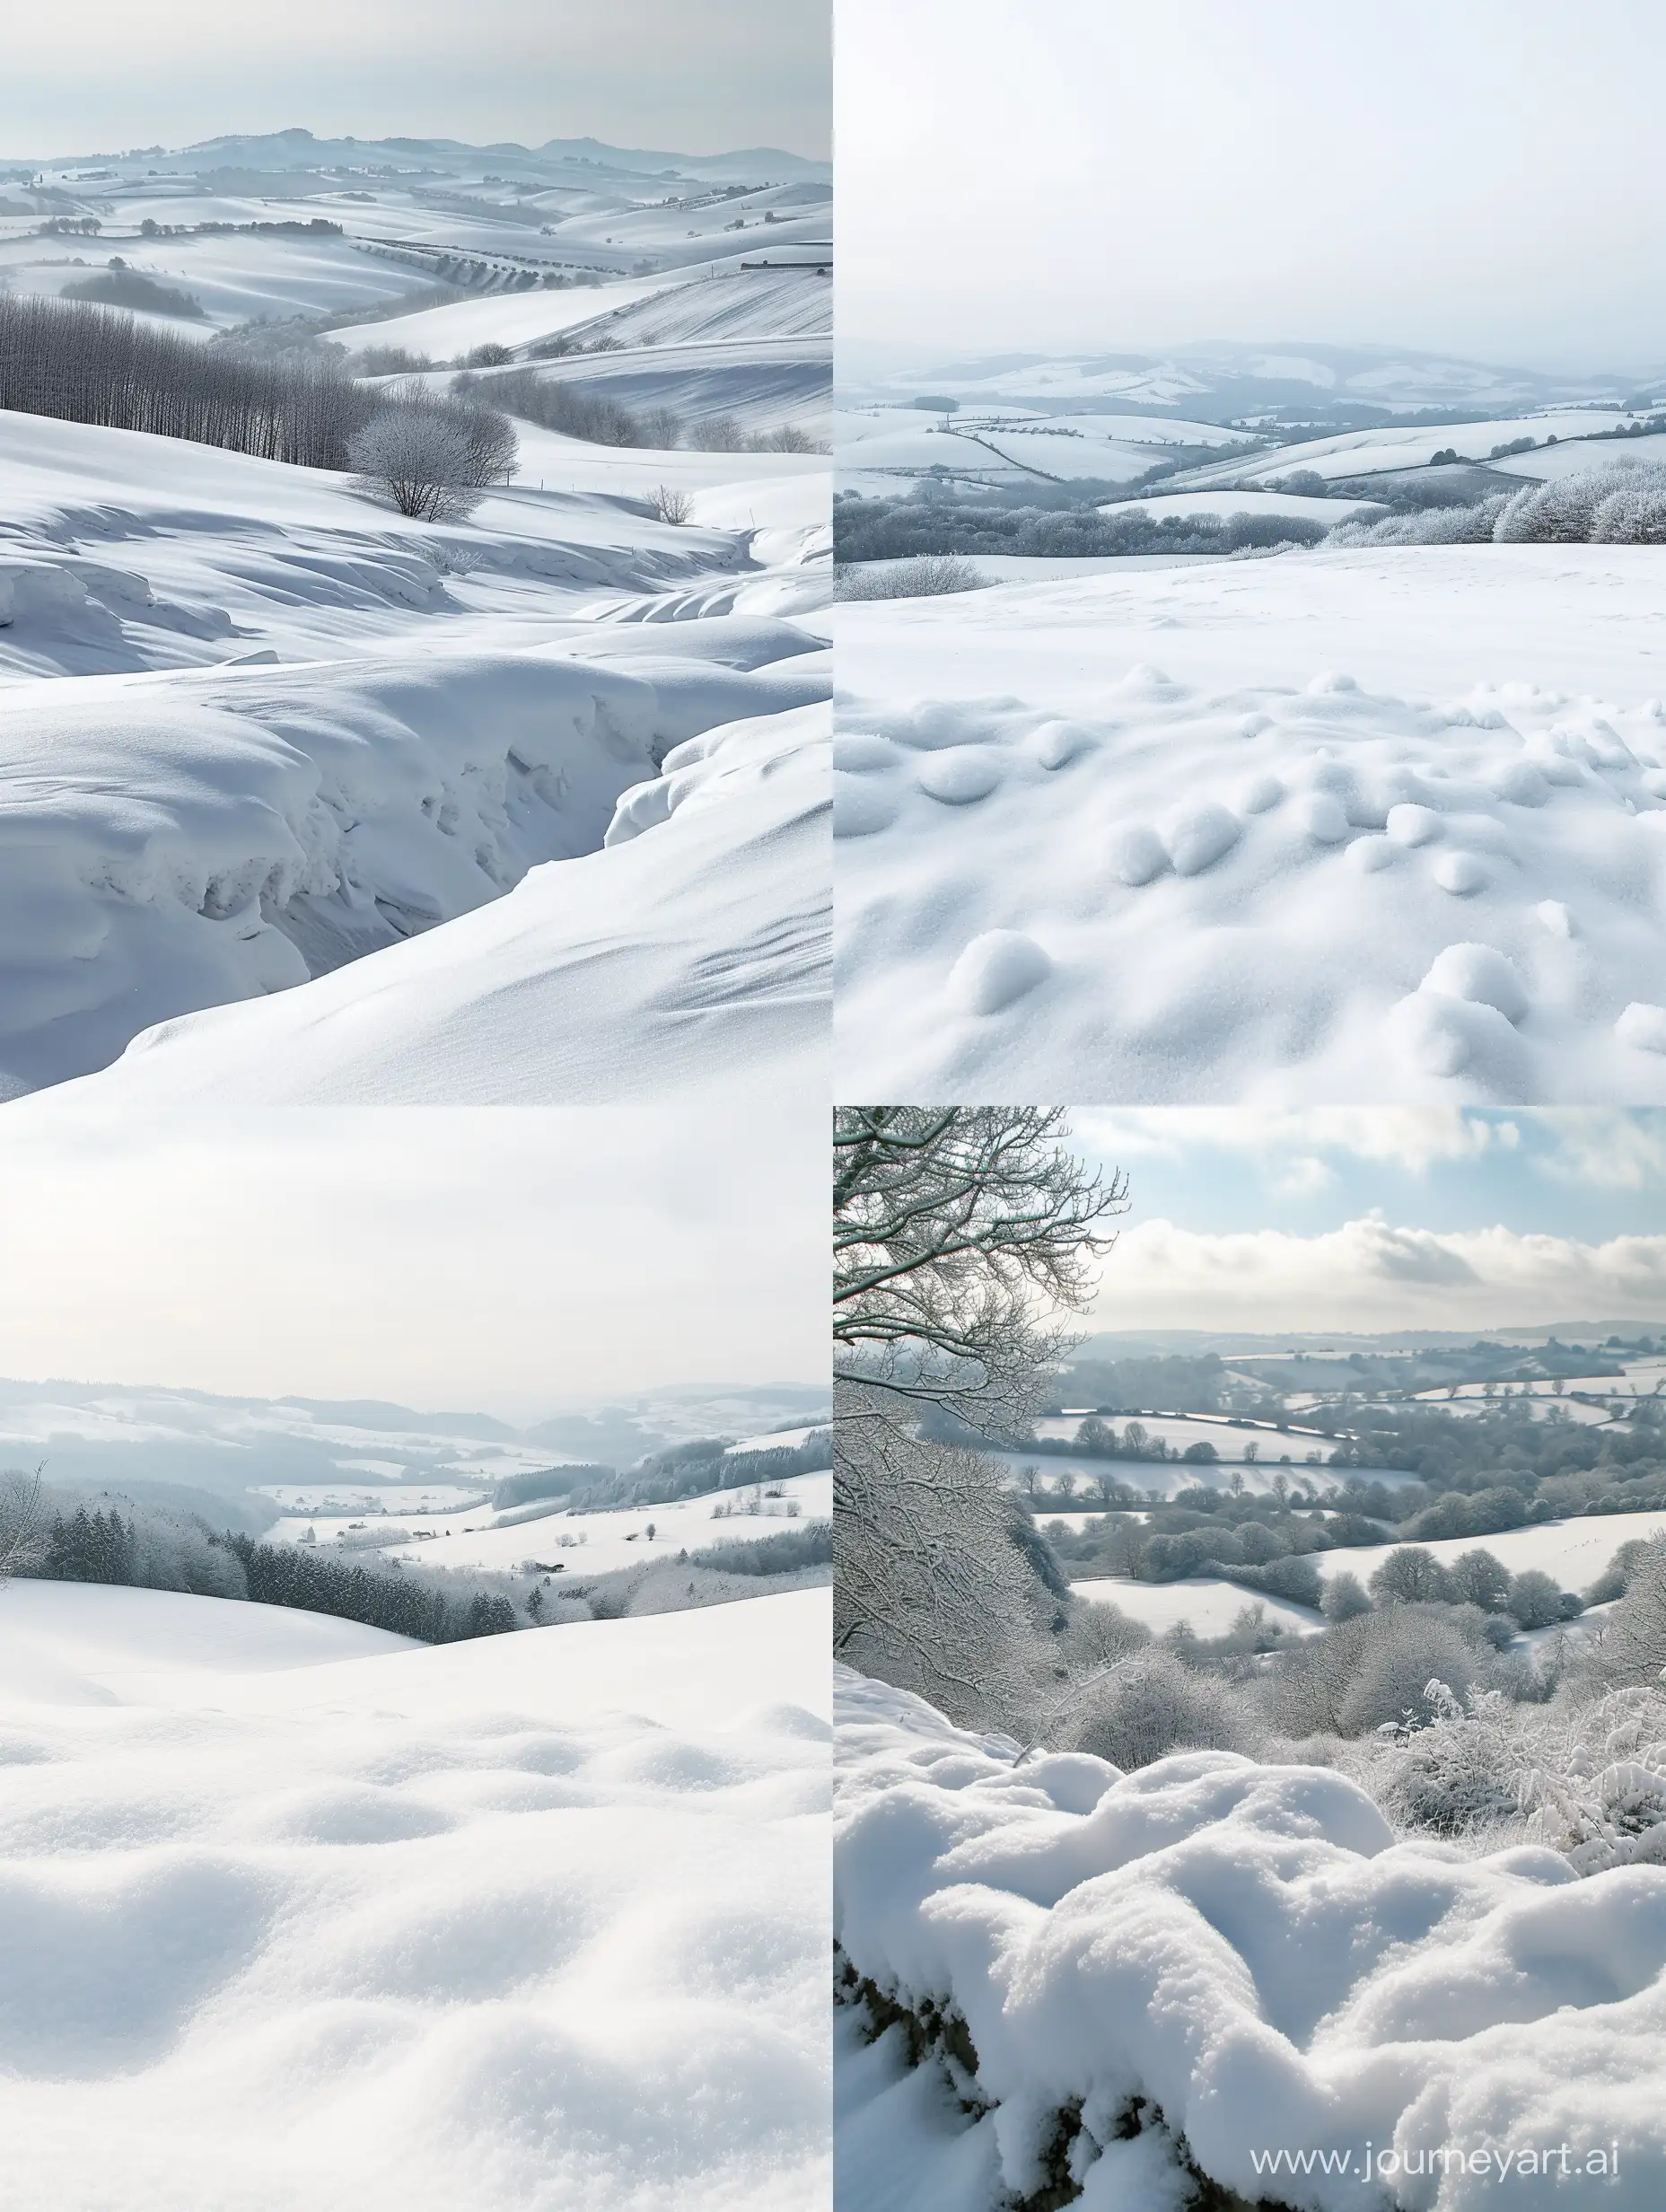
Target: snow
[1250, 1950]
[596, 1543]
[517, 318]
[564, 762]
[70, 1643]
[1548, 464]
[1572, 1553]
[538, 1921]
[1207, 1604]
[1366, 453]
[1304, 506]
[1277, 831]
[452, 709]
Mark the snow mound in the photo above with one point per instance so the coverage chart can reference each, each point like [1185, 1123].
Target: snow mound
[1272, 887]
[539, 1922]
[1236, 1960]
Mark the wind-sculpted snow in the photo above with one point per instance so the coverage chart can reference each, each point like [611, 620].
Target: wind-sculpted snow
[177, 844]
[536, 1922]
[1213, 1958]
[693, 948]
[1170, 882]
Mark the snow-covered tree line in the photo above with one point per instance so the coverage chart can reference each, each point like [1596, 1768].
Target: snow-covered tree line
[1624, 503]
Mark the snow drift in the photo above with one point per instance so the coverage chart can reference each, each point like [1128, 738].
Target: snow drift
[1218, 1961]
[1132, 838]
[537, 1921]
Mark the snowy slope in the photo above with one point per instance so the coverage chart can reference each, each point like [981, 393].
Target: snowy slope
[537, 1921]
[1205, 1603]
[1572, 1553]
[692, 949]
[1333, 826]
[597, 1542]
[185, 825]
[1248, 1952]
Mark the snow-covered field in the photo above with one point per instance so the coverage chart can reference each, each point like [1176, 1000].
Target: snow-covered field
[1572, 1553]
[296, 1915]
[1214, 1959]
[1341, 825]
[1206, 1603]
[527, 808]
[591, 1544]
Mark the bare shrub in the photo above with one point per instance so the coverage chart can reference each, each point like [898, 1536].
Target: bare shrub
[722, 433]
[670, 506]
[928, 576]
[1152, 1705]
[418, 457]
[23, 1537]
[391, 361]
[662, 427]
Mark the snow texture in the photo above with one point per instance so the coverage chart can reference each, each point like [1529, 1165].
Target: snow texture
[1341, 826]
[295, 1916]
[1248, 1951]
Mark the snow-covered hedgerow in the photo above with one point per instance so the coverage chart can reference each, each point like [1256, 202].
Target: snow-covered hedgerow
[1217, 1967]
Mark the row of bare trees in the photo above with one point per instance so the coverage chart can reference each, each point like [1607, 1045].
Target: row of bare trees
[85, 363]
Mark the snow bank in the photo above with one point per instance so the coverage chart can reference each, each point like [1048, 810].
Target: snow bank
[167, 847]
[1242, 1958]
[1135, 838]
[692, 949]
[536, 1922]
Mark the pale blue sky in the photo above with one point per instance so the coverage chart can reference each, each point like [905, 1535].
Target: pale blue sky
[686, 76]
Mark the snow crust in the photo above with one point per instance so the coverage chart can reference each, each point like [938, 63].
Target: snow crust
[1333, 826]
[536, 1921]
[1248, 1950]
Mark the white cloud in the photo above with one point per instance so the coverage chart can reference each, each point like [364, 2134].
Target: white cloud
[1370, 1273]
[1608, 1147]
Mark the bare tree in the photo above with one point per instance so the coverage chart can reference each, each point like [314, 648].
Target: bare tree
[21, 1537]
[670, 506]
[930, 1591]
[417, 452]
[960, 1233]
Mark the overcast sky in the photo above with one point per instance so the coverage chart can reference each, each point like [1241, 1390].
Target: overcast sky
[684, 76]
[1383, 1218]
[1103, 174]
[505, 1261]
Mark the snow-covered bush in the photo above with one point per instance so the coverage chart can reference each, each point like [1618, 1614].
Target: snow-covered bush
[1473, 525]
[418, 461]
[427, 455]
[1151, 1705]
[1560, 512]
[1599, 1793]
[1633, 1649]
[1463, 1774]
[1344, 1598]
[928, 576]
[1373, 1669]
[1634, 511]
